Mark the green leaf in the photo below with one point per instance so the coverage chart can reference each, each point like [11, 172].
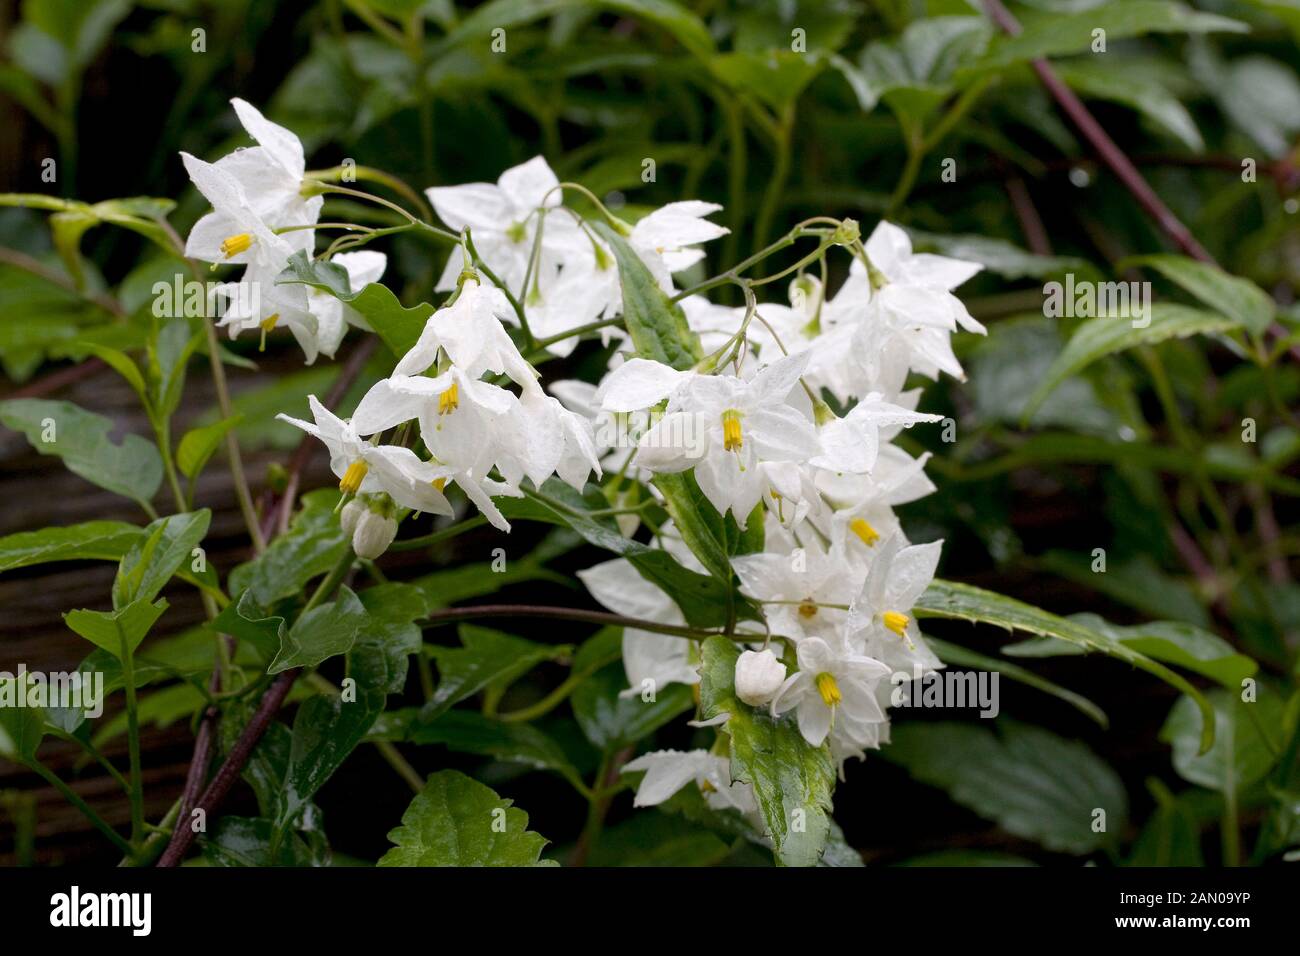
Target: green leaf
[684, 25]
[108, 629]
[1243, 750]
[456, 821]
[98, 540]
[249, 841]
[1001, 257]
[200, 444]
[1171, 836]
[1107, 335]
[652, 838]
[326, 730]
[1033, 783]
[1239, 299]
[1192, 648]
[159, 553]
[124, 365]
[467, 731]
[658, 327]
[950, 599]
[21, 726]
[323, 632]
[611, 721]
[382, 653]
[1061, 34]
[487, 658]
[252, 626]
[313, 545]
[1128, 84]
[81, 438]
[777, 77]
[702, 599]
[398, 326]
[954, 654]
[913, 72]
[789, 777]
[1139, 583]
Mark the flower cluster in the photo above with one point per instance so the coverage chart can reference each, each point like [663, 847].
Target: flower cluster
[754, 422]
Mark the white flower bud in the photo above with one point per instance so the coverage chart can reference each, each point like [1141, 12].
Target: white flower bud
[374, 533]
[759, 676]
[351, 514]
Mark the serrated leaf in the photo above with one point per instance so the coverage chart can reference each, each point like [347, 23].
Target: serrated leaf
[132, 468]
[1107, 335]
[788, 775]
[951, 599]
[456, 821]
[1033, 783]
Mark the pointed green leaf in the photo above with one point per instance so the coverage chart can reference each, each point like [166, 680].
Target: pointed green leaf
[1107, 335]
[323, 632]
[199, 444]
[109, 629]
[1237, 298]
[166, 545]
[486, 657]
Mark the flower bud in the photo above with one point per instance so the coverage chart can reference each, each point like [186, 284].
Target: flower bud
[351, 514]
[759, 676]
[373, 534]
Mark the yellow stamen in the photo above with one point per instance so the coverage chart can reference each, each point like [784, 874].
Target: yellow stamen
[449, 400]
[829, 690]
[439, 483]
[807, 609]
[232, 246]
[268, 323]
[706, 786]
[864, 531]
[896, 622]
[350, 483]
[732, 438]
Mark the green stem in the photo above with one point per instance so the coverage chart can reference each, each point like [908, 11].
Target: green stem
[330, 583]
[132, 736]
[776, 185]
[437, 537]
[73, 798]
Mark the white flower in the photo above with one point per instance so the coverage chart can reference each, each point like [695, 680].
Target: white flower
[725, 427]
[650, 660]
[800, 590]
[503, 221]
[831, 688]
[667, 771]
[759, 675]
[880, 619]
[363, 468]
[470, 332]
[334, 316]
[852, 443]
[917, 286]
